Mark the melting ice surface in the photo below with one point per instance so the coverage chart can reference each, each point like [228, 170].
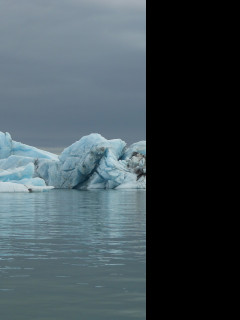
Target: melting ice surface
[93, 162]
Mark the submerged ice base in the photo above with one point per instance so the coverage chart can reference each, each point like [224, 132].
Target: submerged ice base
[93, 162]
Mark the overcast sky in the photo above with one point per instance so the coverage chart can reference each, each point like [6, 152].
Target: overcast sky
[72, 67]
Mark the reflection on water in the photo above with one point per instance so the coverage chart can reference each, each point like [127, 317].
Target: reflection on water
[70, 255]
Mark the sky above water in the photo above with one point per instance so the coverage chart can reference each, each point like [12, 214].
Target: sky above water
[72, 67]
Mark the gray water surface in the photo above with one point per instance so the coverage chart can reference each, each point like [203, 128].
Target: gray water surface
[73, 255]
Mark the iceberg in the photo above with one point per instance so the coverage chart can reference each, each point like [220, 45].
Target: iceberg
[9, 147]
[17, 173]
[12, 187]
[6, 187]
[93, 162]
[138, 147]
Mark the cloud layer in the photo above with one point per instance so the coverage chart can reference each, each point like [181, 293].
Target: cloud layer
[72, 67]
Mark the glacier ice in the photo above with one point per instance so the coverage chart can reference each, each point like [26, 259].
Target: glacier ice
[6, 187]
[93, 162]
[138, 147]
[12, 187]
[9, 147]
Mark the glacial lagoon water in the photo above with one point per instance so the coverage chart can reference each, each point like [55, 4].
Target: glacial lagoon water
[73, 255]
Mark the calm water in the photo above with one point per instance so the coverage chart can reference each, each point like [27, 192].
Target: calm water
[73, 255]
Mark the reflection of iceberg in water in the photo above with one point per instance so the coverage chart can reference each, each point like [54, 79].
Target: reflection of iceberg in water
[93, 162]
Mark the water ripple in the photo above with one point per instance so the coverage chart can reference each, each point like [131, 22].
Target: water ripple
[81, 251]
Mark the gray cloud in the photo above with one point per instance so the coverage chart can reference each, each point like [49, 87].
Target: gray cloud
[72, 67]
